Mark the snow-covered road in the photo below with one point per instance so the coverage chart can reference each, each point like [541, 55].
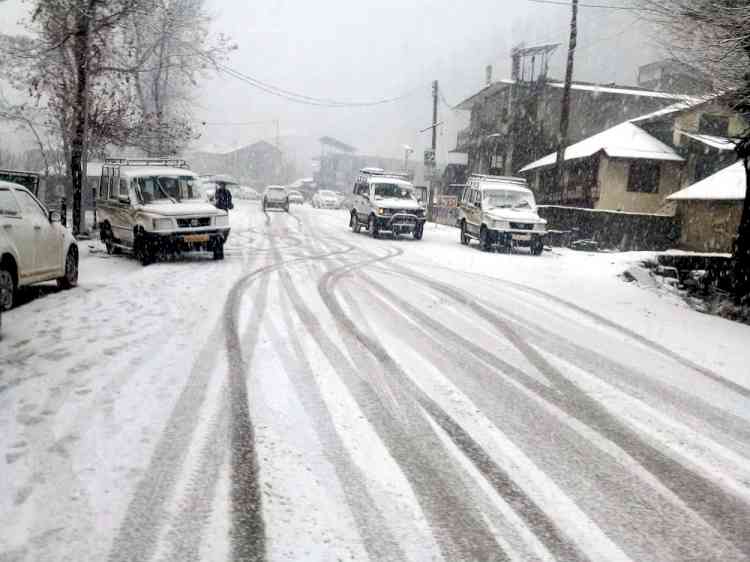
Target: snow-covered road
[322, 395]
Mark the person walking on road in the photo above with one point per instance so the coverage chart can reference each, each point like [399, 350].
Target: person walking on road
[223, 197]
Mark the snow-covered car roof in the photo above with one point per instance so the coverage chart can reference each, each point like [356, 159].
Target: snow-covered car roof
[392, 180]
[140, 171]
[725, 185]
[275, 187]
[496, 183]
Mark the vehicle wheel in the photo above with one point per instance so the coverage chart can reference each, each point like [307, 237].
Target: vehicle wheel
[7, 288]
[484, 240]
[70, 278]
[354, 222]
[219, 251]
[464, 237]
[372, 226]
[537, 247]
[419, 231]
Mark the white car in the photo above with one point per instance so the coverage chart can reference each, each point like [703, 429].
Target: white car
[34, 245]
[501, 212]
[275, 197]
[325, 199]
[152, 206]
[296, 197]
[386, 201]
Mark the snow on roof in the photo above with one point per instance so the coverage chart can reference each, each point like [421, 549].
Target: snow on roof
[728, 184]
[140, 171]
[595, 88]
[621, 141]
[719, 143]
[688, 102]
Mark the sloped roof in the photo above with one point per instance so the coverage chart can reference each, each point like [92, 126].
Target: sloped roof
[720, 143]
[337, 144]
[495, 87]
[621, 141]
[728, 184]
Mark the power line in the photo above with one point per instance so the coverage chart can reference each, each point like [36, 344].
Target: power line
[302, 98]
[602, 6]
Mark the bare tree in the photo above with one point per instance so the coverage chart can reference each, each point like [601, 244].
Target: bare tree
[113, 72]
[165, 52]
[714, 36]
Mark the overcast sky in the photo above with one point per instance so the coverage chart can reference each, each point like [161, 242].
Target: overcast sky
[368, 50]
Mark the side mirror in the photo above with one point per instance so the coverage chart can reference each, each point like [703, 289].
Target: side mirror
[55, 216]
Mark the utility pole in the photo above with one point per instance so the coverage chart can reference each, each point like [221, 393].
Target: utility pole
[431, 194]
[434, 114]
[565, 109]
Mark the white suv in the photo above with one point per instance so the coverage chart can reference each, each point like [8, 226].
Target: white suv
[152, 206]
[34, 246]
[500, 212]
[386, 201]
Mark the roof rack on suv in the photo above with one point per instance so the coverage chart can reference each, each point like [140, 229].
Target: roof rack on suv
[382, 172]
[501, 179]
[167, 162]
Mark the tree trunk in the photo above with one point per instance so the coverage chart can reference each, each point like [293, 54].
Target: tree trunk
[80, 108]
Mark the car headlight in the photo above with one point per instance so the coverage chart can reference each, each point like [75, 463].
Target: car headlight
[540, 226]
[162, 224]
[501, 225]
[381, 211]
[221, 220]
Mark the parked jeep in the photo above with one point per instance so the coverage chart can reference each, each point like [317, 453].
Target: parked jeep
[386, 201]
[500, 212]
[154, 206]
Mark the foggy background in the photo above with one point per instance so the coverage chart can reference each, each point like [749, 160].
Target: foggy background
[367, 51]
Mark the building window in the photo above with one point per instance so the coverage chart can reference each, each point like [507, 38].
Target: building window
[716, 125]
[644, 177]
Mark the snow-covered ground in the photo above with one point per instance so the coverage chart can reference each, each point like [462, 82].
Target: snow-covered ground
[321, 395]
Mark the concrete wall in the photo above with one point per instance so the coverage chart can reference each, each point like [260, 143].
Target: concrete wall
[622, 231]
[613, 187]
[709, 226]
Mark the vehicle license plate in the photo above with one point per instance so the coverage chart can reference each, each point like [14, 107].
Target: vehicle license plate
[196, 238]
[522, 237]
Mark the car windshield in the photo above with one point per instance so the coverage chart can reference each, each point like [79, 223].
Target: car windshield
[326, 193]
[276, 191]
[159, 189]
[507, 199]
[393, 191]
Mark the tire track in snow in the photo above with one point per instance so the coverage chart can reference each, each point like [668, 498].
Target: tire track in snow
[186, 534]
[459, 530]
[481, 377]
[371, 524]
[146, 514]
[729, 384]
[659, 394]
[532, 515]
[248, 528]
[725, 512]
